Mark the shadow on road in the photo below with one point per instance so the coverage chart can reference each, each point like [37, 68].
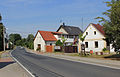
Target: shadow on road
[113, 57]
[3, 64]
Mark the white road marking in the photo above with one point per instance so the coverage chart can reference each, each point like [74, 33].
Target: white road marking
[21, 65]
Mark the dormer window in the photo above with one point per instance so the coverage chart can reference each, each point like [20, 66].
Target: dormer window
[86, 33]
[94, 32]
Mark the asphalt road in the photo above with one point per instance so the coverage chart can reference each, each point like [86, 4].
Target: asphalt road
[42, 66]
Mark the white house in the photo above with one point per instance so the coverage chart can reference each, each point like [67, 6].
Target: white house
[70, 33]
[94, 39]
[45, 40]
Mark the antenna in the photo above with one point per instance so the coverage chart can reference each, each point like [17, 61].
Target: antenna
[61, 22]
[82, 23]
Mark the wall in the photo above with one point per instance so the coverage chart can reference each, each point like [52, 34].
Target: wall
[62, 30]
[39, 40]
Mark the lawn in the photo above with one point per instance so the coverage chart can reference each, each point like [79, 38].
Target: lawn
[111, 56]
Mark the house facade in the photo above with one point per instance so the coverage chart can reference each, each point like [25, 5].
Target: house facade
[94, 39]
[45, 40]
[71, 33]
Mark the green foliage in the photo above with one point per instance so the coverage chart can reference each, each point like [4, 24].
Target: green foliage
[59, 43]
[63, 40]
[81, 37]
[14, 38]
[38, 49]
[30, 40]
[112, 23]
[19, 43]
[104, 49]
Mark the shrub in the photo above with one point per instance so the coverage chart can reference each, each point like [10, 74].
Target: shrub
[104, 49]
[38, 49]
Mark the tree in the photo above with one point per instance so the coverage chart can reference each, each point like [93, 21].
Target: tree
[112, 23]
[63, 43]
[59, 43]
[30, 37]
[82, 38]
[19, 42]
[30, 40]
[14, 38]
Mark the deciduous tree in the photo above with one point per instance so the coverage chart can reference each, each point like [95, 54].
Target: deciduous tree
[112, 23]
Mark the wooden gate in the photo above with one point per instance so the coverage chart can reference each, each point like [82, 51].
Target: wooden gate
[49, 48]
[71, 49]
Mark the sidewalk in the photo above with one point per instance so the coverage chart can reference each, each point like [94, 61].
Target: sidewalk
[9, 68]
[101, 62]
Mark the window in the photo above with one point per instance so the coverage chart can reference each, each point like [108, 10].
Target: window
[86, 44]
[96, 44]
[70, 36]
[59, 36]
[39, 46]
[94, 32]
[50, 43]
[67, 36]
[86, 33]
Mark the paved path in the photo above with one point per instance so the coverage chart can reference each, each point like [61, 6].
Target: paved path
[44, 66]
[8, 68]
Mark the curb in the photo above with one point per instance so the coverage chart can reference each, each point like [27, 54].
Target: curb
[21, 65]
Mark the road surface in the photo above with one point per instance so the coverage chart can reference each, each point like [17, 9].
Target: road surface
[43, 66]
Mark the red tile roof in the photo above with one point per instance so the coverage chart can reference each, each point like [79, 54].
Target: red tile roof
[99, 28]
[48, 35]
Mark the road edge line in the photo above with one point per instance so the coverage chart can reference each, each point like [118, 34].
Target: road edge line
[21, 64]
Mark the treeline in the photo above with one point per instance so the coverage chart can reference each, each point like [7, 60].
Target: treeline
[17, 40]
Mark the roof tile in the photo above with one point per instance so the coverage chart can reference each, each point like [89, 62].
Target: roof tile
[48, 35]
[99, 28]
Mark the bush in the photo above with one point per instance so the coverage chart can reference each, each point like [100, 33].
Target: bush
[38, 49]
[59, 43]
[104, 49]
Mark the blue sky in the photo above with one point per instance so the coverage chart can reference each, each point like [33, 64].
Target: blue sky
[28, 16]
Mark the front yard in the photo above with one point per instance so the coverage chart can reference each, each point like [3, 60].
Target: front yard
[111, 56]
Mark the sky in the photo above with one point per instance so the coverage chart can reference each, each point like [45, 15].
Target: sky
[28, 16]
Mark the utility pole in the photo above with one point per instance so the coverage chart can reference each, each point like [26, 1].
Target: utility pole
[4, 38]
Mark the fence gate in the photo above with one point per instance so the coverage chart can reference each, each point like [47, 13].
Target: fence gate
[49, 48]
[71, 49]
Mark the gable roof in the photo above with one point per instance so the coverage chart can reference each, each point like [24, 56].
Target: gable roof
[48, 35]
[71, 30]
[99, 28]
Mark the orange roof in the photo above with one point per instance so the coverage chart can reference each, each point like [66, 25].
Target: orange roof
[48, 35]
[99, 28]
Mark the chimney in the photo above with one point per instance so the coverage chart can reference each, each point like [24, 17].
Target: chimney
[63, 24]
